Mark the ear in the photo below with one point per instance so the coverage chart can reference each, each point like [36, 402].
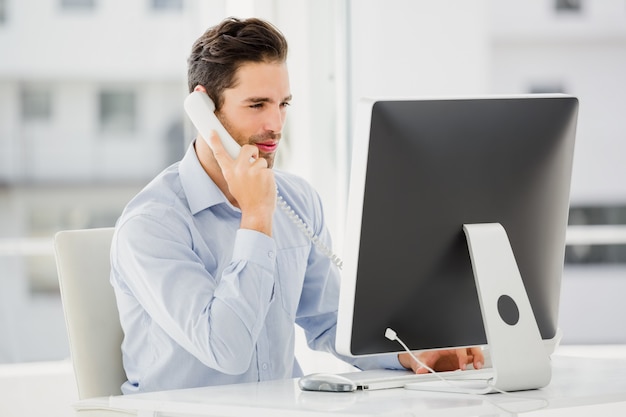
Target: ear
[200, 88]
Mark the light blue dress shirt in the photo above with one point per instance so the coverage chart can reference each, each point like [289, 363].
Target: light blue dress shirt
[203, 302]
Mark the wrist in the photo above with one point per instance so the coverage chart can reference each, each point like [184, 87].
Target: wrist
[258, 222]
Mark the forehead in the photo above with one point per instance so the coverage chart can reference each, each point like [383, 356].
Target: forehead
[261, 79]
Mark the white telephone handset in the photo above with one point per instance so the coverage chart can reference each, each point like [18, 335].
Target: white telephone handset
[201, 111]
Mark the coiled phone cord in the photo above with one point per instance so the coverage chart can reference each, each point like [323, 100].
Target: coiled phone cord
[307, 231]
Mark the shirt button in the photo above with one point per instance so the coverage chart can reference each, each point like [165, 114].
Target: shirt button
[270, 254]
[264, 366]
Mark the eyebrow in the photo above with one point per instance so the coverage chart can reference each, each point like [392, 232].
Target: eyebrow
[266, 99]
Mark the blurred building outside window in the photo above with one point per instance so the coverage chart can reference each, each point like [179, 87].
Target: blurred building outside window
[36, 104]
[568, 5]
[167, 4]
[118, 112]
[78, 4]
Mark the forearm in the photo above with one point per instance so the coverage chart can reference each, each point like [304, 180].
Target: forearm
[239, 304]
[236, 317]
[215, 313]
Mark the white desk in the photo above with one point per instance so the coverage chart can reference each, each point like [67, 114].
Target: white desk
[592, 385]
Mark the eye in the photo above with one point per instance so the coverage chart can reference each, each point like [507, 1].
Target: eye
[285, 104]
[256, 106]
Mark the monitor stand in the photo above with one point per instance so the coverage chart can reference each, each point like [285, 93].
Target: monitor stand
[518, 355]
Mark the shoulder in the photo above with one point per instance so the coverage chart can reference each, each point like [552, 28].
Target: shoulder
[161, 203]
[159, 197]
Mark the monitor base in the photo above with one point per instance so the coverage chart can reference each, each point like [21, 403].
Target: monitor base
[519, 357]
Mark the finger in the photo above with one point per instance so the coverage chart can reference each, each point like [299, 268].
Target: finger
[221, 156]
[249, 158]
[251, 153]
[421, 370]
[462, 356]
[259, 162]
[479, 358]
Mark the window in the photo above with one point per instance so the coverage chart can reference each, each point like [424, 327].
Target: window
[118, 111]
[36, 104]
[167, 4]
[609, 253]
[3, 11]
[78, 4]
[568, 5]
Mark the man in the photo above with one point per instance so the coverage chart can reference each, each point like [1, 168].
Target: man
[208, 275]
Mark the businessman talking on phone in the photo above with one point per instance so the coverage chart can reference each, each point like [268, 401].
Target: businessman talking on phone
[209, 276]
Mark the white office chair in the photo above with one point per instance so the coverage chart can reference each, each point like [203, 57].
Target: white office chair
[91, 317]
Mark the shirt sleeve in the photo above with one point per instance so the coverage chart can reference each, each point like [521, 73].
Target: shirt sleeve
[317, 310]
[214, 314]
[318, 317]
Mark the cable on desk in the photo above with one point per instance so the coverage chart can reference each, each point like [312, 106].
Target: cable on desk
[393, 336]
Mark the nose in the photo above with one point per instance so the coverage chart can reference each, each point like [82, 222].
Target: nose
[275, 119]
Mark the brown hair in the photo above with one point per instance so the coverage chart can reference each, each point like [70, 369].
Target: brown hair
[222, 49]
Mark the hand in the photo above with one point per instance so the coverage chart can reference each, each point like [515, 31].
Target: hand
[250, 182]
[444, 360]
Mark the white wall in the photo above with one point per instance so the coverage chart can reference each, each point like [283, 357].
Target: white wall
[409, 48]
[585, 54]
[418, 48]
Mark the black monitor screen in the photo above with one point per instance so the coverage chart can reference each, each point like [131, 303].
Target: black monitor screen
[420, 170]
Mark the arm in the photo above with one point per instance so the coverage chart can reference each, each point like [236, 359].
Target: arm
[212, 308]
[317, 310]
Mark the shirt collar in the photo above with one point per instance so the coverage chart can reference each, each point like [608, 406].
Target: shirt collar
[199, 188]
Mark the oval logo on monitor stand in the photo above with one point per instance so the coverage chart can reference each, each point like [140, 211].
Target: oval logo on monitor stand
[507, 308]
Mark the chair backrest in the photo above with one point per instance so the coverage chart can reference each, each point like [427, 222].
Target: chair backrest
[91, 315]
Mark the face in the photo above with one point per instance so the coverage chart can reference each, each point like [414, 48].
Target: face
[255, 109]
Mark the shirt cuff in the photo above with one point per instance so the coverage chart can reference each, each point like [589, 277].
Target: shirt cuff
[256, 247]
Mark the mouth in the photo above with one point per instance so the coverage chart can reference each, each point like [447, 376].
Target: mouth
[268, 146]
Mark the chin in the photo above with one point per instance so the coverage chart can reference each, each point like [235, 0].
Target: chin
[269, 159]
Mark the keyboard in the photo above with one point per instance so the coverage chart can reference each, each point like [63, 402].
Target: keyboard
[474, 379]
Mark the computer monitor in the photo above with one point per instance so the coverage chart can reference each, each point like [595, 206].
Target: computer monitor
[423, 168]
